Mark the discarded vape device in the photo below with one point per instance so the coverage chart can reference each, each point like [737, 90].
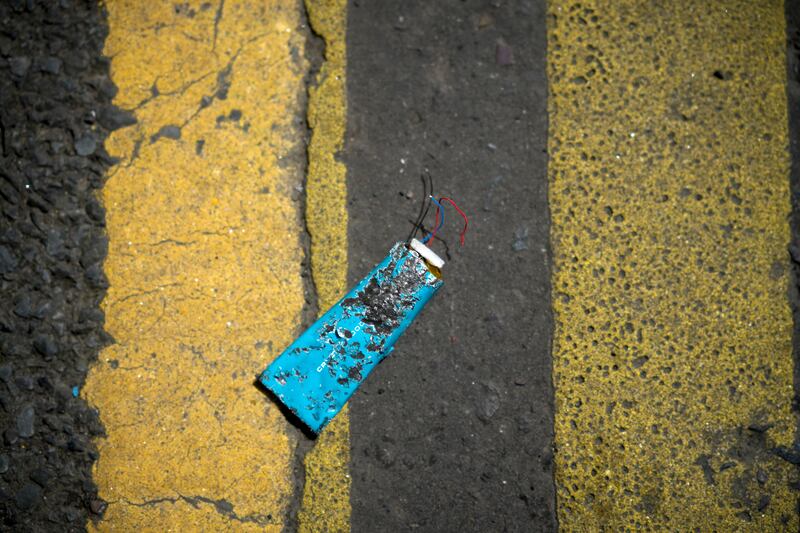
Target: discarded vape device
[316, 375]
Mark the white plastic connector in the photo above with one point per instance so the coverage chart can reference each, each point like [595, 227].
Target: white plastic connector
[429, 255]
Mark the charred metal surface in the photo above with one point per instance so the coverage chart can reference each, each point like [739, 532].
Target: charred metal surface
[316, 375]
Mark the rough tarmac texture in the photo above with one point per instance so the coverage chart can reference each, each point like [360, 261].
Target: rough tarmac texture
[453, 431]
[55, 112]
[669, 196]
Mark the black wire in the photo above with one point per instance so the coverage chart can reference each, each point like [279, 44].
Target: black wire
[425, 206]
[428, 202]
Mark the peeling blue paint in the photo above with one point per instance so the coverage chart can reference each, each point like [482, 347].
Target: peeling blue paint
[316, 375]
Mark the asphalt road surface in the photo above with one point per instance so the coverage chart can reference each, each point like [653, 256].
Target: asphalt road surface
[185, 186]
[453, 432]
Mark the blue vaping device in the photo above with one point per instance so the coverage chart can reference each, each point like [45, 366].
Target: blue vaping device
[316, 375]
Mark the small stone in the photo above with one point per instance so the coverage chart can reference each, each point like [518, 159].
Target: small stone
[74, 445]
[94, 250]
[401, 24]
[19, 65]
[24, 307]
[8, 263]
[98, 506]
[385, 456]
[56, 247]
[5, 461]
[525, 424]
[96, 277]
[519, 245]
[760, 428]
[791, 455]
[46, 346]
[91, 315]
[95, 211]
[235, 115]
[25, 422]
[45, 383]
[62, 392]
[86, 145]
[40, 476]
[761, 476]
[24, 382]
[28, 496]
[108, 89]
[520, 239]
[10, 436]
[503, 54]
[489, 403]
[763, 503]
[51, 65]
[114, 118]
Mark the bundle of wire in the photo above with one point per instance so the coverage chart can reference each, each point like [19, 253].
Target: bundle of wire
[429, 198]
[316, 375]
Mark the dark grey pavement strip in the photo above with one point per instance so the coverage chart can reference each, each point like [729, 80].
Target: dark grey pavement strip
[55, 112]
[453, 432]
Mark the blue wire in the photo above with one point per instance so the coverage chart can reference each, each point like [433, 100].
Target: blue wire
[441, 221]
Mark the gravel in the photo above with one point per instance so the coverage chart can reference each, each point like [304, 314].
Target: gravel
[55, 113]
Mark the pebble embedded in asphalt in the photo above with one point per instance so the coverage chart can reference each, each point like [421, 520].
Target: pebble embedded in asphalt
[25, 422]
[86, 145]
[28, 496]
[56, 107]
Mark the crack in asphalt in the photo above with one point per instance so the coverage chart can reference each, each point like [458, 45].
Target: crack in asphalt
[217, 18]
[221, 506]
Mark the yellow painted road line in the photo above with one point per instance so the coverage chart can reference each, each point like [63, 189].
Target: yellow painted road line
[204, 264]
[326, 496]
[669, 197]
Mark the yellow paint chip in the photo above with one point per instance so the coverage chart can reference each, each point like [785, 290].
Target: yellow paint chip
[669, 198]
[204, 265]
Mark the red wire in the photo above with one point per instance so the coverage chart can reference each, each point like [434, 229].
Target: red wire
[460, 212]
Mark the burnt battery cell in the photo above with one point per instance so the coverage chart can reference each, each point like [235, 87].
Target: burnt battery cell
[316, 375]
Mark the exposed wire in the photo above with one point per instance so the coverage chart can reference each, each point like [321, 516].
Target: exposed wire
[417, 221]
[460, 212]
[438, 223]
[424, 206]
[428, 199]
